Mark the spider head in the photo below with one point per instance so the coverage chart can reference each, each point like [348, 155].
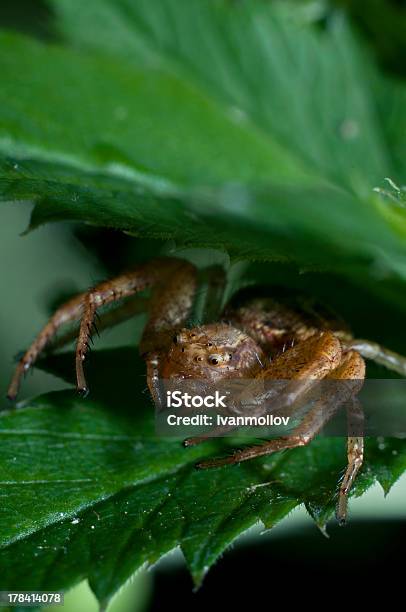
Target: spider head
[212, 352]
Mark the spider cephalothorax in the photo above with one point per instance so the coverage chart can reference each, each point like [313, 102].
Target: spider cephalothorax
[260, 336]
[212, 352]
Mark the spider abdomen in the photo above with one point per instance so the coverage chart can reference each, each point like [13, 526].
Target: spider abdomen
[277, 319]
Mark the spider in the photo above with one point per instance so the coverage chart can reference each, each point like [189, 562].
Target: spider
[274, 336]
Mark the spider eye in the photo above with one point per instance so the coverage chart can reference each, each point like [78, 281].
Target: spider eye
[175, 339]
[214, 359]
[210, 344]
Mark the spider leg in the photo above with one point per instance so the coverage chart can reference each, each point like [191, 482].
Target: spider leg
[355, 456]
[86, 305]
[379, 354]
[310, 359]
[118, 315]
[294, 373]
[105, 293]
[153, 379]
[70, 311]
[217, 432]
[170, 307]
[174, 286]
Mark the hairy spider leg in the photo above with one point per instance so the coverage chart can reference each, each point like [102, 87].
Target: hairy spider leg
[85, 305]
[70, 311]
[130, 308]
[173, 281]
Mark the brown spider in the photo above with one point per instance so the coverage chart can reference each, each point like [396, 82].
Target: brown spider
[289, 338]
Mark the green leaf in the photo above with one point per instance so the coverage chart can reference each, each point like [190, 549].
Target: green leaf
[211, 123]
[91, 492]
[307, 90]
[148, 125]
